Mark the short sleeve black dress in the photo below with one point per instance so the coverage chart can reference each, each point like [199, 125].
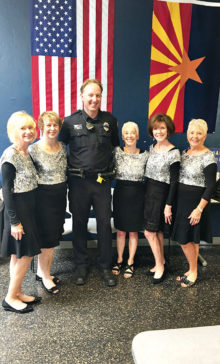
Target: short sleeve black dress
[51, 193]
[197, 180]
[19, 185]
[128, 197]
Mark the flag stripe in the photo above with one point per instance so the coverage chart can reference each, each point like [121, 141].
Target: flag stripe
[55, 87]
[110, 48]
[73, 85]
[92, 38]
[98, 36]
[61, 86]
[48, 73]
[86, 44]
[35, 86]
[104, 50]
[42, 83]
[79, 49]
[67, 84]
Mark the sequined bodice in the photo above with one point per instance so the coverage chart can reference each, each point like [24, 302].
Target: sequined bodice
[51, 167]
[130, 167]
[158, 164]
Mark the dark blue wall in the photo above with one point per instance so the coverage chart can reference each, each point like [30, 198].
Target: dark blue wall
[131, 65]
[15, 67]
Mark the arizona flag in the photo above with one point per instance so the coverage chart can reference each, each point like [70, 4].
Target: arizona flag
[185, 59]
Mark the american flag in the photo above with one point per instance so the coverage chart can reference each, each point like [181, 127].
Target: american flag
[71, 40]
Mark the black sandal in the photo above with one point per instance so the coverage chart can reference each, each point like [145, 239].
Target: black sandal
[187, 283]
[51, 290]
[55, 280]
[181, 277]
[117, 268]
[129, 269]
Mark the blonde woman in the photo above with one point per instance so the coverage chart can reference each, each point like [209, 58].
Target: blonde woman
[128, 199]
[196, 183]
[20, 235]
[50, 159]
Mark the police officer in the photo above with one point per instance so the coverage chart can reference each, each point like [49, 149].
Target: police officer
[91, 135]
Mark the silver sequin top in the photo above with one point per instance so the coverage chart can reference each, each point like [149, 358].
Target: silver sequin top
[51, 167]
[192, 166]
[130, 167]
[26, 175]
[158, 164]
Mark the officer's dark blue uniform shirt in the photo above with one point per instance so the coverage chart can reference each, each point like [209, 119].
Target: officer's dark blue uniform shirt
[91, 141]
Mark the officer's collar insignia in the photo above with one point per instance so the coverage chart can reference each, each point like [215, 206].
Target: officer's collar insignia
[77, 126]
[106, 126]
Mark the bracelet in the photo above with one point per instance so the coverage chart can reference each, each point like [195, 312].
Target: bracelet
[199, 208]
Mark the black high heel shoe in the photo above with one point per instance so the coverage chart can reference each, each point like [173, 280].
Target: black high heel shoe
[7, 307]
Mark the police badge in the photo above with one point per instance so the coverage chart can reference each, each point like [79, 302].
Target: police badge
[106, 126]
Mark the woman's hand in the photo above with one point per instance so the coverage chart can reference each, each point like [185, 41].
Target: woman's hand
[195, 217]
[168, 214]
[17, 231]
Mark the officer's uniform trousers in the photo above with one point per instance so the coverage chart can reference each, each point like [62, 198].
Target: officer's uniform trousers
[84, 193]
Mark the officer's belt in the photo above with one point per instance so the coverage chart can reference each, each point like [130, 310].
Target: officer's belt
[79, 172]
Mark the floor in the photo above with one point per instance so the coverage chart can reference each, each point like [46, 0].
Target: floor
[93, 324]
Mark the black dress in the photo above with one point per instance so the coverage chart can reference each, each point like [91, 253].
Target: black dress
[197, 180]
[162, 173]
[128, 197]
[51, 193]
[19, 182]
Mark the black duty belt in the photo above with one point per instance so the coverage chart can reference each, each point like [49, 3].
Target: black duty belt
[104, 175]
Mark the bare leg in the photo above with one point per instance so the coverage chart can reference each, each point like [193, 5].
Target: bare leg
[161, 242]
[156, 250]
[44, 265]
[196, 247]
[18, 269]
[132, 244]
[12, 264]
[121, 235]
[191, 254]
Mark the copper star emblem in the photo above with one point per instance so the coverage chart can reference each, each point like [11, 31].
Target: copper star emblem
[187, 69]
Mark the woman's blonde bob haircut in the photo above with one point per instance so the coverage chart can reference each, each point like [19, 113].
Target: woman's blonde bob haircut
[52, 116]
[130, 124]
[198, 123]
[17, 120]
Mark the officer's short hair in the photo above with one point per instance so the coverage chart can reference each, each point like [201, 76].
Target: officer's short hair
[88, 82]
[51, 115]
[130, 124]
[158, 118]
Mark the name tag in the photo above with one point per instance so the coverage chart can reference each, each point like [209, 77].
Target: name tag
[77, 126]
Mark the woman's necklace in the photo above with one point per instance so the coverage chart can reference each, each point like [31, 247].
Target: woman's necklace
[20, 150]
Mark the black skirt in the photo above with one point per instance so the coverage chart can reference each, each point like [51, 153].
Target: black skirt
[188, 198]
[29, 245]
[128, 206]
[51, 207]
[154, 203]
